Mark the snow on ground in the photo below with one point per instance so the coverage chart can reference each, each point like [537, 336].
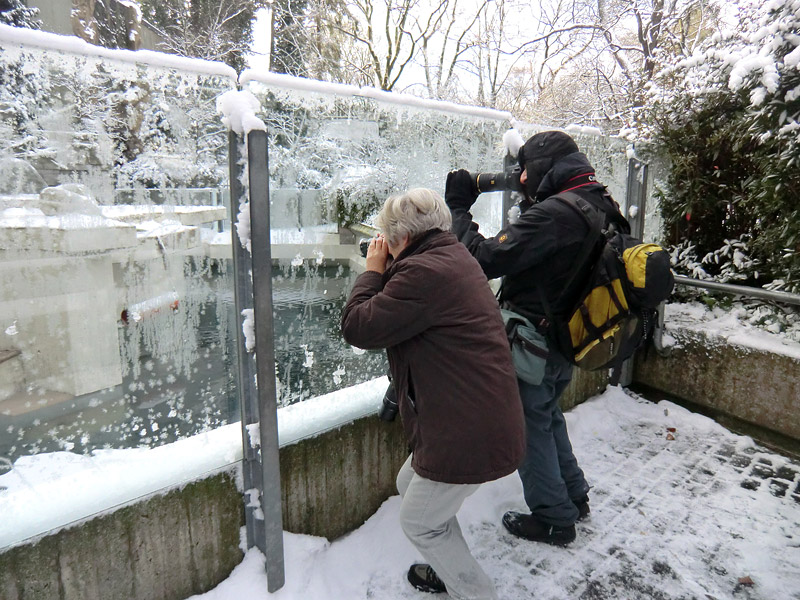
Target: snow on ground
[681, 508]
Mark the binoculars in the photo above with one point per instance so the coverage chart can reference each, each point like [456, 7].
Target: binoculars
[498, 182]
[389, 407]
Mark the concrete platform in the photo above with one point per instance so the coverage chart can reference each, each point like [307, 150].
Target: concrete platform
[681, 509]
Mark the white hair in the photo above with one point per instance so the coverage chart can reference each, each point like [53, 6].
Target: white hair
[412, 213]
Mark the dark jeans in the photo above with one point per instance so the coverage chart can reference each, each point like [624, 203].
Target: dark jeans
[551, 477]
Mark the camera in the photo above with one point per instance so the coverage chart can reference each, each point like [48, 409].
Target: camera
[498, 182]
[389, 407]
[363, 246]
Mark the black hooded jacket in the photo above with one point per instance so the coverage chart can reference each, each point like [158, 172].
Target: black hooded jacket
[541, 248]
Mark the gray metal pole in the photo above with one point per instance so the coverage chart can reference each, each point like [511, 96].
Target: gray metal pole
[635, 195]
[258, 176]
[508, 160]
[740, 290]
[248, 397]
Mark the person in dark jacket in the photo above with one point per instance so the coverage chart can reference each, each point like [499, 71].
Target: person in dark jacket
[434, 312]
[536, 256]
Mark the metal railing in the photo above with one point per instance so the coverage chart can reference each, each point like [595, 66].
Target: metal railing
[740, 290]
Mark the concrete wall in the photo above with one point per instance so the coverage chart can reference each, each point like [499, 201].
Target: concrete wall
[186, 541]
[166, 548]
[748, 384]
[336, 481]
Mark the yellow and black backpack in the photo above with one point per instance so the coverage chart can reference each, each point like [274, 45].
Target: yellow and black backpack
[615, 309]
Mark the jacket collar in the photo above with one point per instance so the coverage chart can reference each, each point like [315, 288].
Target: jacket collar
[572, 171]
[418, 244]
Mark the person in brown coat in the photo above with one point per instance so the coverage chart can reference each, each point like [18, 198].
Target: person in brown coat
[449, 358]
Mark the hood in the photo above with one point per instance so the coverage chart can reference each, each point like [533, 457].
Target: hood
[559, 177]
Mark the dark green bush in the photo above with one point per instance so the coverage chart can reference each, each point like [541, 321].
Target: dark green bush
[728, 119]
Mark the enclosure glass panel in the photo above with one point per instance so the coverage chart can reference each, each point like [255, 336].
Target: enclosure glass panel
[116, 301]
[334, 158]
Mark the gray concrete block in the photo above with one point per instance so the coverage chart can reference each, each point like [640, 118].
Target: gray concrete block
[167, 547]
[755, 386]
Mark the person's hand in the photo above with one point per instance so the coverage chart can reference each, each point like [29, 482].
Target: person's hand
[377, 254]
[459, 190]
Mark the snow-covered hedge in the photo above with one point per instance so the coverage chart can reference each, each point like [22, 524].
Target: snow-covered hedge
[728, 117]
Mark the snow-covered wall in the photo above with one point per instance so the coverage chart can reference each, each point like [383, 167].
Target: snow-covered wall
[713, 360]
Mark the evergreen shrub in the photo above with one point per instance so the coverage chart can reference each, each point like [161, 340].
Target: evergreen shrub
[728, 119]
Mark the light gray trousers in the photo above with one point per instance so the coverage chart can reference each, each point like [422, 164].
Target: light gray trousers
[428, 518]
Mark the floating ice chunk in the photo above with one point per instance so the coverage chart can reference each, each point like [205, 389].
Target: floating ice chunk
[309, 361]
[337, 374]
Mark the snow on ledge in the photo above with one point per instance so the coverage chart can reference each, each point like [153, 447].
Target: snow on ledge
[49, 492]
[75, 45]
[724, 326]
[323, 413]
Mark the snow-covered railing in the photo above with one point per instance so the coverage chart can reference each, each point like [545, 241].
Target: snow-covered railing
[740, 290]
[342, 90]
[69, 43]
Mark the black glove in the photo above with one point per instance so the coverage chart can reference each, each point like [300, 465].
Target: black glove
[460, 190]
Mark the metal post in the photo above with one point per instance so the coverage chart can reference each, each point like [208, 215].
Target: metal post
[258, 177]
[264, 529]
[243, 298]
[508, 160]
[635, 195]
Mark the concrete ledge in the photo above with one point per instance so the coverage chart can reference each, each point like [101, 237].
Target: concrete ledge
[167, 547]
[186, 541]
[753, 385]
[583, 386]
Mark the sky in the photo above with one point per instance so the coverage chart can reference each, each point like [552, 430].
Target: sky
[262, 39]
[671, 518]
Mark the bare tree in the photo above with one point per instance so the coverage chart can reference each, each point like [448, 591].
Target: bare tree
[445, 46]
[205, 28]
[390, 33]
[637, 34]
[589, 62]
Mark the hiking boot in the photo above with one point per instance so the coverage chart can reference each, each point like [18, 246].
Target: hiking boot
[531, 528]
[582, 504]
[425, 579]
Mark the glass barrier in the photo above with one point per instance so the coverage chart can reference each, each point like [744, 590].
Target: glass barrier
[116, 301]
[334, 157]
[117, 317]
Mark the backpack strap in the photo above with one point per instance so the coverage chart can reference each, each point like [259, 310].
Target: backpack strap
[595, 220]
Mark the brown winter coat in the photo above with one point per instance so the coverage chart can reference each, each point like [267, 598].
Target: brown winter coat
[449, 359]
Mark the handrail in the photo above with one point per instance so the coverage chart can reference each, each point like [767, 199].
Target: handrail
[740, 290]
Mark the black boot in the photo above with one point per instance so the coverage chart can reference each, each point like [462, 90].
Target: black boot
[531, 528]
[425, 579]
